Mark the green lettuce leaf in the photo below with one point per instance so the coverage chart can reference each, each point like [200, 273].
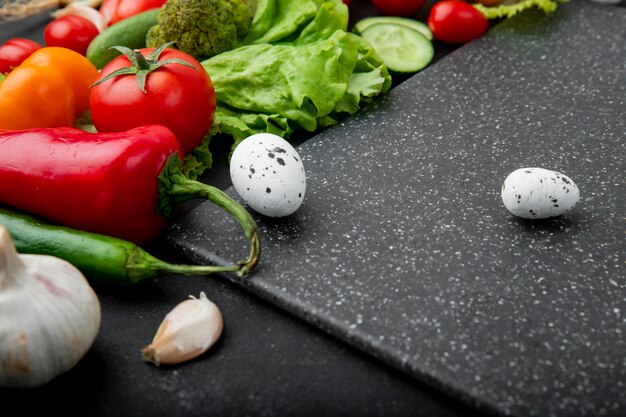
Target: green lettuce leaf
[199, 160]
[507, 10]
[284, 88]
[298, 70]
[299, 83]
[296, 21]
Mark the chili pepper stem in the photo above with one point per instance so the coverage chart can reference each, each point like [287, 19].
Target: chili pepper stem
[175, 187]
[183, 189]
[141, 265]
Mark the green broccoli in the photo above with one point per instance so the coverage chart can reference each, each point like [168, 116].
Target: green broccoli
[201, 28]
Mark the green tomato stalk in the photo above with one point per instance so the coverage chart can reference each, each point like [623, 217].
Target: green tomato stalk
[142, 66]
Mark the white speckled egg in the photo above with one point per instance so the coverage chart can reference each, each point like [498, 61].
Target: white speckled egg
[268, 174]
[537, 193]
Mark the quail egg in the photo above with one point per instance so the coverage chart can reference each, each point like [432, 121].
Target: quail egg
[268, 174]
[537, 193]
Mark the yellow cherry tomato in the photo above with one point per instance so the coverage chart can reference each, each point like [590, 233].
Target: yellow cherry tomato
[49, 89]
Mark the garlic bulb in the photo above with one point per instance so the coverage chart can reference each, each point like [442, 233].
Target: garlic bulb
[187, 331]
[49, 316]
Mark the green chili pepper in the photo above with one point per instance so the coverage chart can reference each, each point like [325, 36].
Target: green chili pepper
[99, 257]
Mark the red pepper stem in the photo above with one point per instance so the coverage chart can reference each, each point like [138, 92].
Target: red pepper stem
[175, 187]
[183, 189]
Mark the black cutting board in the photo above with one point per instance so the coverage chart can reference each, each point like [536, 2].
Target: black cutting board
[404, 249]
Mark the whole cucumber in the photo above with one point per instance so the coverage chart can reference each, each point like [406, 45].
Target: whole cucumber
[130, 32]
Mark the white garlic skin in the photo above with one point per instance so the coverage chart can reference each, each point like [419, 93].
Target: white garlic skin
[49, 317]
[268, 174]
[187, 331]
[537, 193]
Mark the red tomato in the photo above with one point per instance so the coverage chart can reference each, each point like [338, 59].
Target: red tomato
[179, 97]
[346, 2]
[115, 10]
[398, 7]
[454, 21]
[71, 32]
[14, 51]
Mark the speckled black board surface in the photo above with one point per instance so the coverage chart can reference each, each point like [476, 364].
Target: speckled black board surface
[403, 248]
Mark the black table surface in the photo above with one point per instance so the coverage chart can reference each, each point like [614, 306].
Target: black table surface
[266, 362]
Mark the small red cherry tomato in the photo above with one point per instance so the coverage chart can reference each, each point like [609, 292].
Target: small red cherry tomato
[454, 21]
[115, 10]
[177, 92]
[14, 51]
[398, 7]
[71, 32]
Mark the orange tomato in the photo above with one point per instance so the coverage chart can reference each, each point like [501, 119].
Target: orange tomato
[49, 89]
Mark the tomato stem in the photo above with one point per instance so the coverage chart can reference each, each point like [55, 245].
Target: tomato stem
[141, 63]
[141, 66]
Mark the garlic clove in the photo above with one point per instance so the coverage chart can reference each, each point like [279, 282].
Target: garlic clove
[10, 262]
[187, 331]
[49, 316]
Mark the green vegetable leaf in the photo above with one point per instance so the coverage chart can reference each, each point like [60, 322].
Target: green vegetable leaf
[300, 83]
[199, 160]
[330, 17]
[172, 169]
[369, 79]
[507, 10]
[286, 21]
[283, 88]
[298, 69]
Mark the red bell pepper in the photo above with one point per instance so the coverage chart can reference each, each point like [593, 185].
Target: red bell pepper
[122, 184]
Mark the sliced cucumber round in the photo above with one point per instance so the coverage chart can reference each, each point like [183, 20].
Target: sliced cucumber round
[421, 27]
[402, 49]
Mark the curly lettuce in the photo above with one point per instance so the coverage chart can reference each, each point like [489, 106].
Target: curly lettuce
[296, 21]
[283, 88]
[507, 10]
[298, 69]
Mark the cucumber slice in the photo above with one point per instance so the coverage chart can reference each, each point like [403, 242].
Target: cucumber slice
[421, 27]
[402, 49]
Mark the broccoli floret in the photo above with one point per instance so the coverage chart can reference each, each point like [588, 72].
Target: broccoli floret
[201, 28]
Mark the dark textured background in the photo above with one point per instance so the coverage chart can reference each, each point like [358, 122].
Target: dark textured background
[404, 249]
[269, 363]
